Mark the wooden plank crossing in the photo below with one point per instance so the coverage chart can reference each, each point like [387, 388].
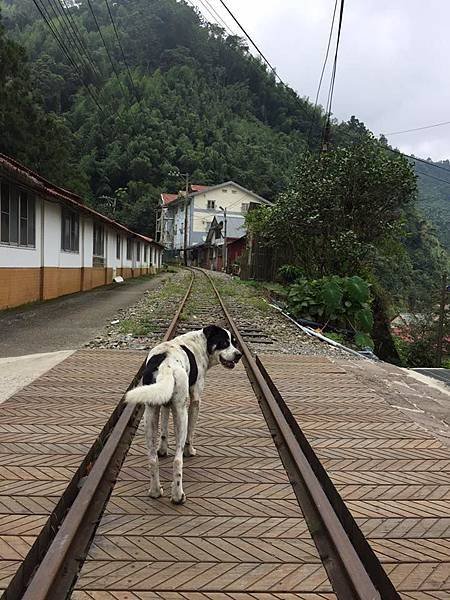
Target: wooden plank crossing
[241, 533]
[46, 429]
[393, 475]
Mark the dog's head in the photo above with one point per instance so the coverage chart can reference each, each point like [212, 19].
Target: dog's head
[221, 346]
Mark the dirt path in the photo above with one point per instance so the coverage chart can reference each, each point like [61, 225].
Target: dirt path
[69, 322]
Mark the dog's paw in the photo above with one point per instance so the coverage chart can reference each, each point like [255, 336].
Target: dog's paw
[178, 499]
[156, 493]
[189, 451]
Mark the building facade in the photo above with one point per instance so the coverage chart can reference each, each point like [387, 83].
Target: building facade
[203, 205]
[52, 244]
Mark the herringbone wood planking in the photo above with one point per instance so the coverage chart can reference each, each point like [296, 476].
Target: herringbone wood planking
[205, 526]
[255, 491]
[241, 529]
[117, 595]
[211, 549]
[203, 576]
[392, 474]
[45, 431]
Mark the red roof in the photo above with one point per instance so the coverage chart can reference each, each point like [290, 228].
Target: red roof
[49, 190]
[168, 198]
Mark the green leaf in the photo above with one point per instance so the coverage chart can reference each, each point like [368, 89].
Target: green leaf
[357, 289]
[362, 340]
[364, 320]
[332, 296]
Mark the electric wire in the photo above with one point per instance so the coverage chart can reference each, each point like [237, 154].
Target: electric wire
[133, 87]
[326, 129]
[47, 19]
[330, 37]
[79, 36]
[106, 48]
[219, 17]
[419, 128]
[70, 38]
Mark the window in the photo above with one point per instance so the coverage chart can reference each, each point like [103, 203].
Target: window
[145, 253]
[245, 207]
[70, 227]
[129, 249]
[224, 190]
[17, 216]
[138, 251]
[211, 204]
[118, 245]
[99, 245]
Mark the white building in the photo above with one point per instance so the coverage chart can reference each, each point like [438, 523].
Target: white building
[52, 244]
[203, 204]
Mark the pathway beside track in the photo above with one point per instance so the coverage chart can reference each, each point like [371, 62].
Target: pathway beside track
[393, 476]
[46, 430]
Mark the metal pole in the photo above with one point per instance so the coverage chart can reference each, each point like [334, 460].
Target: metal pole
[440, 335]
[225, 249]
[186, 220]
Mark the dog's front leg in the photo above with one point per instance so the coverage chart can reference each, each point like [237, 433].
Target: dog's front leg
[180, 422]
[164, 440]
[152, 435]
[194, 408]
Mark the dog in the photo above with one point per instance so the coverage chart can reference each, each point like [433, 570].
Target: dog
[174, 372]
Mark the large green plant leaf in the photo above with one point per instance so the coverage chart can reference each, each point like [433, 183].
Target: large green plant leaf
[364, 320]
[362, 340]
[332, 296]
[357, 289]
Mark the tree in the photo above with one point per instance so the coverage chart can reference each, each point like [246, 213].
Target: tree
[338, 207]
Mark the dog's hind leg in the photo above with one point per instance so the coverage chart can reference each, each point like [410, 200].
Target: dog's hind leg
[180, 422]
[194, 408]
[152, 435]
[164, 439]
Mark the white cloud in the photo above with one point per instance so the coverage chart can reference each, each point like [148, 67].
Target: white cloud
[392, 71]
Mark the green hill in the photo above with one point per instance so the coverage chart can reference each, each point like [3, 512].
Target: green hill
[434, 197]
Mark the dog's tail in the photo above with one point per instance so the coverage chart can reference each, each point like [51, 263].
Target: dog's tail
[157, 393]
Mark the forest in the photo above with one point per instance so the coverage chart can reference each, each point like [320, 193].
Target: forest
[183, 96]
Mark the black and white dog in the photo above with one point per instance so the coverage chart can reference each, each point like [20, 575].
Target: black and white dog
[174, 372]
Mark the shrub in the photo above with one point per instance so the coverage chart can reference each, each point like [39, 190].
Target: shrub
[289, 273]
[343, 301]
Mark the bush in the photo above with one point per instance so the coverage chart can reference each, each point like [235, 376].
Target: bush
[289, 273]
[343, 301]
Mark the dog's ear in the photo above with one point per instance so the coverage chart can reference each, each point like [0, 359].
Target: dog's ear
[212, 334]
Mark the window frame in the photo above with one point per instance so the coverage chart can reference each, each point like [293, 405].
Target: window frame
[74, 233]
[24, 217]
[244, 211]
[211, 205]
[98, 260]
[118, 246]
[129, 253]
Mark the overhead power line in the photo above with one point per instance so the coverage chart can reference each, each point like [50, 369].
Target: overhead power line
[326, 129]
[47, 19]
[133, 87]
[106, 47]
[71, 38]
[433, 177]
[79, 36]
[419, 128]
[330, 36]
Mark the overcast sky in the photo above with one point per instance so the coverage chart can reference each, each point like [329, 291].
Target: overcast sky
[393, 71]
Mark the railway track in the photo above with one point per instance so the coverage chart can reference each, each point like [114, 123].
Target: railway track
[242, 528]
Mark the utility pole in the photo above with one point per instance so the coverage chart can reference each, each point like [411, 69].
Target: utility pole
[225, 248]
[440, 336]
[185, 244]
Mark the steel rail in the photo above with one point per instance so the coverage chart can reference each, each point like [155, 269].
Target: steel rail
[54, 576]
[348, 574]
